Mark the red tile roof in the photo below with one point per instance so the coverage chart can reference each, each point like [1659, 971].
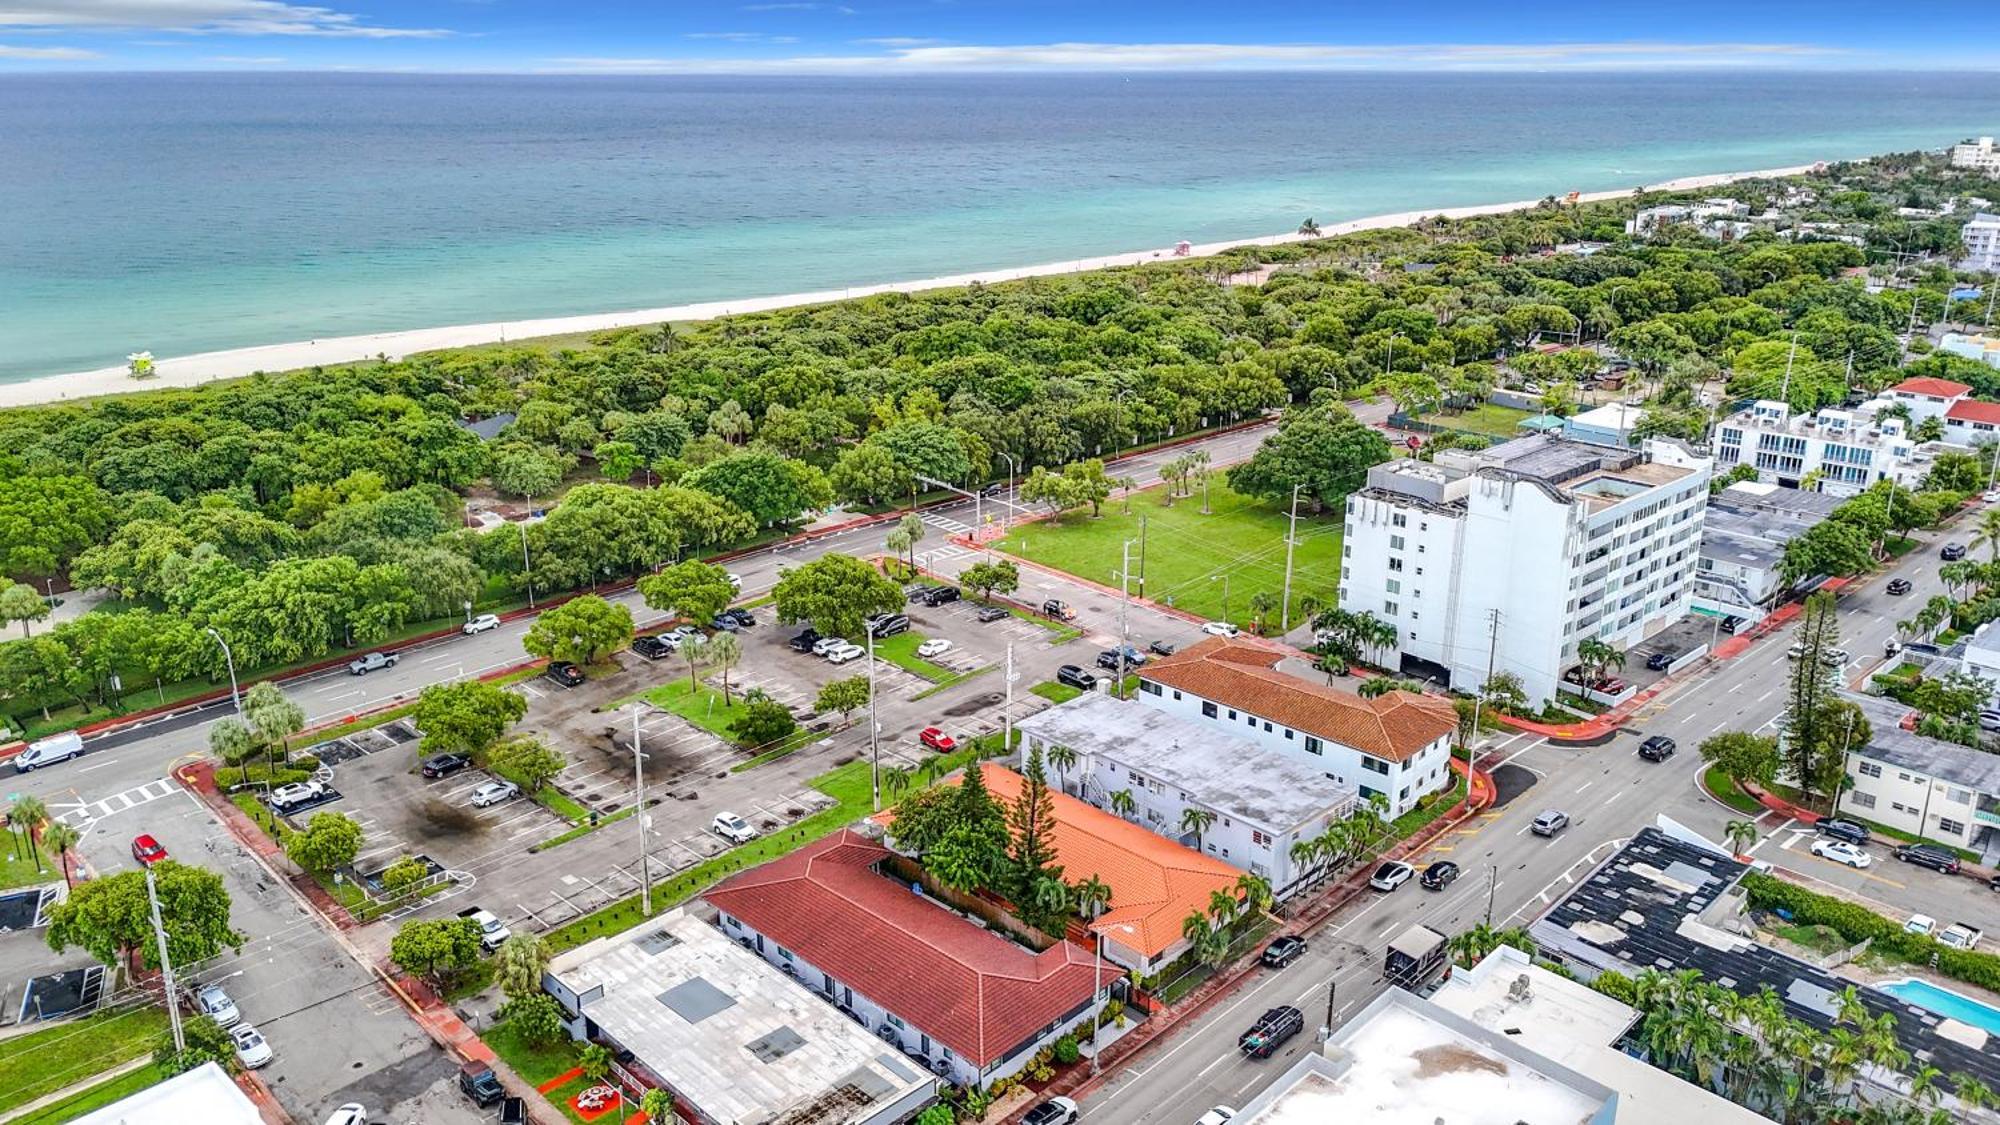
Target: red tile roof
[1969, 410]
[1155, 882]
[1244, 674]
[977, 993]
[1936, 388]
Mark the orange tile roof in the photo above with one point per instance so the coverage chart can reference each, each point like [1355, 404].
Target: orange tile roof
[1938, 388]
[1970, 410]
[1244, 674]
[1155, 883]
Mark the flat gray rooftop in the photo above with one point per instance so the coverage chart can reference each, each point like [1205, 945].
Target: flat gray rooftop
[740, 1040]
[1222, 771]
[1888, 742]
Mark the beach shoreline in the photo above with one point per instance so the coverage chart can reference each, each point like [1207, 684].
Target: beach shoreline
[235, 363]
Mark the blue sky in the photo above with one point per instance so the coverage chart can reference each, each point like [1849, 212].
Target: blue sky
[928, 36]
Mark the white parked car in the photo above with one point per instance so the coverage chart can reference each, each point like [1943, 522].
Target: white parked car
[1922, 924]
[936, 646]
[846, 653]
[353, 1113]
[250, 1046]
[1958, 935]
[1991, 496]
[1840, 851]
[481, 624]
[494, 792]
[732, 828]
[1219, 629]
[827, 644]
[298, 793]
[216, 1005]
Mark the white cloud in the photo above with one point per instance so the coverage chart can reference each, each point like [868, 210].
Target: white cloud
[898, 41]
[927, 55]
[48, 54]
[200, 17]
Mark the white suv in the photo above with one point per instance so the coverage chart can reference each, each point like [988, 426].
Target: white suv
[733, 828]
[845, 652]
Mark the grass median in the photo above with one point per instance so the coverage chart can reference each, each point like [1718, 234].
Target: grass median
[39, 1063]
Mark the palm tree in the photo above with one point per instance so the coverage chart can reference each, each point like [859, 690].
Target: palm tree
[896, 778]
[60, 838]
[1123, 804]
[1092, 897]
[518, 964]
[1307, 855]
[657, 1105]
[1062, 758]
[694, 650]
[1195, 820]
[1195, 925]
[724, 650]
[29, 814]
[233, 744]
[1988, 533]
[273, 718]
[1051, 896]
[1598, 657]
[1740, 834]
[1255, 891]
[1261, 604]
[1222, 908]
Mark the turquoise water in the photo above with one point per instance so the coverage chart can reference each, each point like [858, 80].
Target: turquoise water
[185, 213]
[1946, 1003]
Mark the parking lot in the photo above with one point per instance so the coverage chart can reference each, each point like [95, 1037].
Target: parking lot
[1897, 889]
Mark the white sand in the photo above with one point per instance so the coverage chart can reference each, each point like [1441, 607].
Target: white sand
[188, 371]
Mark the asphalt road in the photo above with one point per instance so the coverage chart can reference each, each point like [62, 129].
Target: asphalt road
[1608, 791]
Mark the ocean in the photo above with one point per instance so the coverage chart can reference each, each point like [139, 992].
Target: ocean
[188, 213]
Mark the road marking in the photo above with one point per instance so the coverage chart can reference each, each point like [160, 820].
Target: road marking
[98, 766]
[1586, 785]
[1765, 696]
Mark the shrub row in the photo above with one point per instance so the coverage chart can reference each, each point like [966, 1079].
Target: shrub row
[1858, 923]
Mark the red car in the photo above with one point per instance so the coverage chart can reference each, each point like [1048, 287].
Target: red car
[147, 850]
[937, 740]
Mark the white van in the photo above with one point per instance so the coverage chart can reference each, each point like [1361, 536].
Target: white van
[48, 751]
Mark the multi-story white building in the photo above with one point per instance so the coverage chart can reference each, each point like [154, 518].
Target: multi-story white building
[1514, 555]
[1397, 745]
[1847, 449]
[1980, 154]
[1922, 786]
[1982, 243]
[1926, 398]
[1260, 803]
[1743, 541]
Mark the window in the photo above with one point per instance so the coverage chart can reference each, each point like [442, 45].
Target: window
[1391, 609]
[784, 953]
[1395, 563]
[1395, 542]
[1314, 745]
[1861, 800]
[1946, 824]
[1398, 519]
[1177, 695]
[1232, 714]
[1959, 796]
[1394, 586]
[1267, 726]
[891, 1017]
[1374, 765]
[1405, 795]
[1250, 721]
[1870, 769]
[1288, 734]
[1901, 776]
[1207, 710]
[1139, 780]
[1149, 687]
[1261, 839]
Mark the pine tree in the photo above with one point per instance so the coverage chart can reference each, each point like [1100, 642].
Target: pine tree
[1032, 820]
[1810, 695]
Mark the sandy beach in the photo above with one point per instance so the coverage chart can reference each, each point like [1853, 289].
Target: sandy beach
[192, 370]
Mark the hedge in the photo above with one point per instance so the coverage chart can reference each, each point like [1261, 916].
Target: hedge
[1858, 923]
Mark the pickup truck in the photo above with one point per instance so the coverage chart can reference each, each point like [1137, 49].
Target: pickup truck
[1958, 935]
[374, 661]
[491, 931]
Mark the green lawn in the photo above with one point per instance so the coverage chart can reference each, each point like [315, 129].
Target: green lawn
[1189, 554]
[19, 870]
[1055, 692]
[96, 1097]
[1486, 418]
[901, 650]
[1724, 789]
[41, 1062]
[700, 704]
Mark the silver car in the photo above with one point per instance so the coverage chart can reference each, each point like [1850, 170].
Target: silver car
[216, 1005]
[494, 792]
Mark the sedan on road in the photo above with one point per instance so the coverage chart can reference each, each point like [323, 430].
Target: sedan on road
[1220, 1115]
[481, 624]
[1391, 875]
[494, 792]
[1055, 1111]
[1440, 875]
[937, 740]
[1899, 586]
[1840, 851]
[147, 850]
[1550, 823]
[444, 765]
[1283, 951]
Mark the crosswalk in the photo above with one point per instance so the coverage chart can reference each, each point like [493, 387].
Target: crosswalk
[80, 814]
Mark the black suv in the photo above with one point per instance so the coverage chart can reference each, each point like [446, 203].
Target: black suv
[564, 673]
[805, 641]
[1075, 677]
[887, 625]
[918, 593]
[1657, 748]
[1270, 1032]
[1952, 552]
[1659, 661]
[480, 1084]
[1929, 855]
[942, 595]
[652, 648]
[1439, 875]
[1842, 830]
[1899, 586]
[444, 765]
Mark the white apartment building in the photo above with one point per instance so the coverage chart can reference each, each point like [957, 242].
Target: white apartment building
[1980, 154]
[1922, 786]
[1262, 802]
[1514, 555]
[1982, 243]
[1848, 449]
[1397, 745]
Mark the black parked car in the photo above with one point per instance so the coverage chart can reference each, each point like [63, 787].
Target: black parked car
[1929, 855]
[444, 765]
[1657, 748]
[564, 673]
[805, 641]
[1075, 677]
[1842, 830]
[918, 593]
[887, 625]
[991, 613]
[942, 595]
[1899, 586]
[1439, 875]
[651, 648]
[1659, 661]
[1283, 951]
[742, 617]
[1161, 648]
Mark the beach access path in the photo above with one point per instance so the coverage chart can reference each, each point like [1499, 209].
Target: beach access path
[188, 371]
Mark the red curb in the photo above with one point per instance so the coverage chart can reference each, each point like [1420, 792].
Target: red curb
[560, 1080]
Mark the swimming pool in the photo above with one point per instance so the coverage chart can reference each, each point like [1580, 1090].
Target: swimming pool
[1946, 1003]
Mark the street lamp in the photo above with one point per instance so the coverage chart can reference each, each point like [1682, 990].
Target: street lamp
[1224, 579]
[527, 568]
[229, 658]
[1013, 467]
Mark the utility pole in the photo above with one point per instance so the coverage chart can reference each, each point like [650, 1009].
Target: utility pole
[1326, 1029]
[874, 726]
[1479, 700]
[527, 567]
[1142, 554]
[639, 814]
[1007, 709]
[229, 658]
[1124, 601]
[1291, 540]
[166, 963]
[1492, 884]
